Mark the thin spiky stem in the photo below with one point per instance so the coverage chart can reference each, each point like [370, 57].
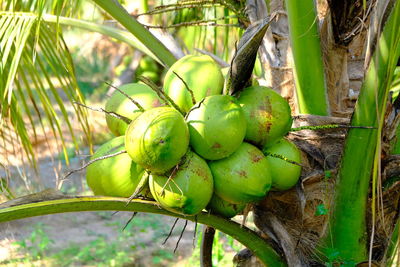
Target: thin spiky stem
[330, 126]
[180, 236]
[283, 158]
[176, 168]
[187, 87]
[160, 93]
[210, 23]
[91, 162]
[111, 113]
[170, 232]
[125, 94]
[129, 221]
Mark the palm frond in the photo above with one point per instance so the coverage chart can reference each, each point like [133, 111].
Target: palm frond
[39, 7]
[37, 79]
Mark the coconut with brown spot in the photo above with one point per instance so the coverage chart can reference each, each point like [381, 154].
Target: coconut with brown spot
[284, 174]
[242, 177]
[157, 139]
[267, 113]
[224, 208]
[217, 126]
[187, 189]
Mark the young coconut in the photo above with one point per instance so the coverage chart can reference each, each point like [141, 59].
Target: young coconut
[122, 105]
[224, 208]
[201, 74]
[243, 177]
[157, 139]
[284, 174]
[188, 189]
[217, 126]
[117, 176]
[267, 113]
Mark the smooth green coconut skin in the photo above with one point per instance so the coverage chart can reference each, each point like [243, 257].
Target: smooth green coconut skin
[122, 105]
[202, 75]
[224, 208]
[267, 113]
[284, 174]
[157, 139]
[116, 176]
[189, 190]
[217, 127]
[243, 177]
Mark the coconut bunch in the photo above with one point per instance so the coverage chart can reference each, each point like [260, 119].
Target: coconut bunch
[193, 147]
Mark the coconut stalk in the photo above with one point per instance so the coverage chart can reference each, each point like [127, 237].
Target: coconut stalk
[306, 50]
[52, 202]
[347, 234]
[115, 10]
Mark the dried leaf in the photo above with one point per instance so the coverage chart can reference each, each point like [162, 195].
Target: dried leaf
[245, 56]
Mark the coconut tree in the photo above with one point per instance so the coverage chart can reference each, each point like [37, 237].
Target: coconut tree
[343, 212]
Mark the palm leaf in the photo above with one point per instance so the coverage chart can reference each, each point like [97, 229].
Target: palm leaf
[32, 84]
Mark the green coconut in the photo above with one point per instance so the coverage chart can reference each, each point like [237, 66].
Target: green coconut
[148, 68]
[157, 139]
[117, 176]
[243, 177]
[267, 113]
[217, 126]
[224, 208]
[122, 105]
[202, 75]
[284, 174]
[188, 191]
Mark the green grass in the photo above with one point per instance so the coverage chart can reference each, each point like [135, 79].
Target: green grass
[101, 251]
[126, 248]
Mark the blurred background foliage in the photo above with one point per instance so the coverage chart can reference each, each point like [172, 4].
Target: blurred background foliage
[50, 59]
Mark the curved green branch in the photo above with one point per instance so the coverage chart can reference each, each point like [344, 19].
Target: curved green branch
[119, 34]
[73, 204]
[115, 10]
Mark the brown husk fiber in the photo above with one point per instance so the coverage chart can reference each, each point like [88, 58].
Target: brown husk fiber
[288, 220]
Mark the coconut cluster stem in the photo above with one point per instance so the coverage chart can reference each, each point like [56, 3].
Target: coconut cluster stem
[206, 247]
[36, 207]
